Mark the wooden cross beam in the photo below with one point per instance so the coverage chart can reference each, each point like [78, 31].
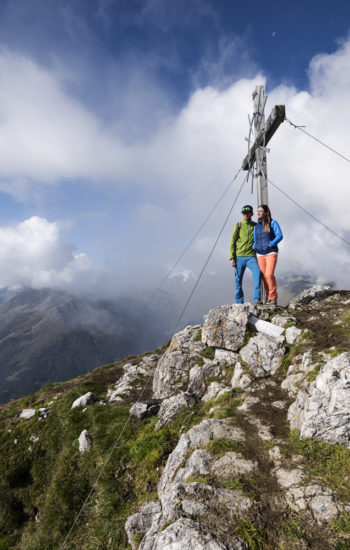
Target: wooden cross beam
[263, 133]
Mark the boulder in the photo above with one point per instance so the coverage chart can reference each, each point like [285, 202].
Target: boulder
[323, 410]
[171, 407]
[268, 329]
[145, 409]
[282, 320]
[172, 371]
[225, 327]
[198, 376]
[316, 292]
[263, 355]
[27, 413]
[84, 441]
[133, 378]
[85, 400]
[240, 378]
[293, 335]
[138, 524]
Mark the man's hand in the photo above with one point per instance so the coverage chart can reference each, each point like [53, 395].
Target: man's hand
[233, 263]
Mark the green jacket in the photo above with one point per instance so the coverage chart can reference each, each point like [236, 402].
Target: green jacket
[243, 245]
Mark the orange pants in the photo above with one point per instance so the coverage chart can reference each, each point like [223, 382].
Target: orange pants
[267, 266]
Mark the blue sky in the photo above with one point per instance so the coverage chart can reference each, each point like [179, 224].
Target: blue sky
[122, 121]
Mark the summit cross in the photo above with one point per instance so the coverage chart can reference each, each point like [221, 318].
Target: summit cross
[263, 132]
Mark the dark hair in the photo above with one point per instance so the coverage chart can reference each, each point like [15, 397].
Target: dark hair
[266, 219]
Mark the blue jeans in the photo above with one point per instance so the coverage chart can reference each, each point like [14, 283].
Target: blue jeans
[242, 262]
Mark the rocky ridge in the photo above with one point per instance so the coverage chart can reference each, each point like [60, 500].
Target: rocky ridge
[240, 440]
[206, 497]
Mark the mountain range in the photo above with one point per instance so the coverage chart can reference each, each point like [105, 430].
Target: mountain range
[49, 335]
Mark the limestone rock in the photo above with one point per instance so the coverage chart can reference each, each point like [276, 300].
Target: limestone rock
[232, 465]
[187, 340]
[197, 465]
[248, 402]
[199, 374]
[138, 524]
[85, 400]
[225, 326]
[27, 413]
[263, 355]
[133, 378]
[172, 406]
[214, 391]
[294, 383]
[316, 292]
[282, 320]
[293, 335]
[44, 412]
[268, 329]
[147, 408]
[225, 357]
[186, 534]
[196, 437]
[84, 441]
[300, 495]
[240, 378]
[172, 372]
[323, 411]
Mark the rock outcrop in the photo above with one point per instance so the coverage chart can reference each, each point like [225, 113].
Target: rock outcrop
[203, 491]
[234, 437]
[323, 409]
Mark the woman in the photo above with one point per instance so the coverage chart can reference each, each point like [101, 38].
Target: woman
[267, 234]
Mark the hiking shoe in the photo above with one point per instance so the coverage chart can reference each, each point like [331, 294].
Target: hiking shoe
[272, 302]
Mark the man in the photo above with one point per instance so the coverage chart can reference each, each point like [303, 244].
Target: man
[242, 255]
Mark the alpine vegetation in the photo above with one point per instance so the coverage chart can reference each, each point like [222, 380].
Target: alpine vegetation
[234, 435]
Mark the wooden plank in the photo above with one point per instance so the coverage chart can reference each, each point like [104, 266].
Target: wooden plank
[277, 116]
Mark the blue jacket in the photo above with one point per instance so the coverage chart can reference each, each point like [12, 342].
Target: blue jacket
[265, 242]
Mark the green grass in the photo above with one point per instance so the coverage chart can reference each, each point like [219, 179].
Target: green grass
[334, 352]
[226, 405]
[232, 485]
[289, 357]
[329, 463]
[342, 525]
[251, 534]
[220, 446]
[208, 352]
[198, 479]
[293, 530]
[55, 478]
[312, 375]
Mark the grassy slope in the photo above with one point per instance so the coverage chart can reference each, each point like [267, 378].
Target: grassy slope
[51, 475]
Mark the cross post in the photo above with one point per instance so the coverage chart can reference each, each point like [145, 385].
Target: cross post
[263, 132]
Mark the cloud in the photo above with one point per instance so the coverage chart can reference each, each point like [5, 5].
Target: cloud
[185, 162]
[46, 135]
[33, 254]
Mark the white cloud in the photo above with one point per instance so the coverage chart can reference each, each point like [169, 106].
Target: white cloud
[47, 136]
[33, 254]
